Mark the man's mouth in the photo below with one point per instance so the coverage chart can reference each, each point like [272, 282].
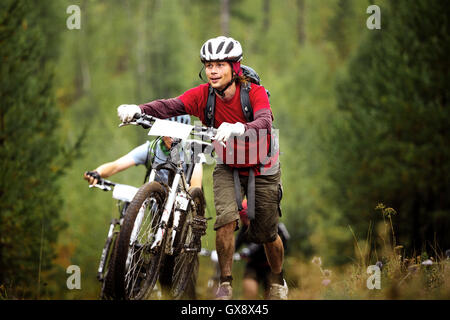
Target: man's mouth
[215, 80]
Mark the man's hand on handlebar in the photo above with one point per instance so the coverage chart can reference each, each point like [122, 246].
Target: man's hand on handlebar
[126, 112]
[92, 177]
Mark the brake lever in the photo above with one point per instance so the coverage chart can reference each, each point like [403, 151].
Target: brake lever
[101, 186]
[209, 134]
[123, 124]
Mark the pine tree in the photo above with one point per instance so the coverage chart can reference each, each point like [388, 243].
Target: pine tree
[167, 52]
[391, 136]
[338, 30]
[29, 146]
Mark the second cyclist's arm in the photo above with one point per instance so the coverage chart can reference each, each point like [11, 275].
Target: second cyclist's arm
[111, 168]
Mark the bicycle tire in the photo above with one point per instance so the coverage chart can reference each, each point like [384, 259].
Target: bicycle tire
[136, 280]
[108, 290]
[186, 264]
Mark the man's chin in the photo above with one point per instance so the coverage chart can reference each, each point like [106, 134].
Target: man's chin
[216, 86]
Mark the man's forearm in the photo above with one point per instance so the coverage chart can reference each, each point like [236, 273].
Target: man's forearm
[263, 120]
[164, 108]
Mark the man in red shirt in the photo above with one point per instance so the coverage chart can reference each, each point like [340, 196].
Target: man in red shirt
[259, 180]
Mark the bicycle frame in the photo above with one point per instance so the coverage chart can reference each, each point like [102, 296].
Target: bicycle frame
[178, 197]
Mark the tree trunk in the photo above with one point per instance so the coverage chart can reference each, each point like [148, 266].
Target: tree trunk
[301, 21]
[225, 17]
[141, 50]
[266, 15]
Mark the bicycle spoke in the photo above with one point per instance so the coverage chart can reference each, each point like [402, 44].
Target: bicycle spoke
[140, 260]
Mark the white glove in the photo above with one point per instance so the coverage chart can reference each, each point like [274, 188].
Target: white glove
[126, 112]
[226, 130]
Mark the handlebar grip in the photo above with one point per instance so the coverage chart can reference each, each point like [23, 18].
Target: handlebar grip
[94, 174]
[100, 180]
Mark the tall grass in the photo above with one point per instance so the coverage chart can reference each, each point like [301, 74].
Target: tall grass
[421, 276]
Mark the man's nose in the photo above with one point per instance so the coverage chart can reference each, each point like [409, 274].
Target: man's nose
[214, 69]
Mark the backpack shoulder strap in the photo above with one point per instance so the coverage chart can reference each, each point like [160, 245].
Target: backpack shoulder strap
[210, 107]
[245, 101]
[245, 104]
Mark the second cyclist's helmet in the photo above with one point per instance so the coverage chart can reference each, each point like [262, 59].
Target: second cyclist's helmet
[186, 119]
[221, 49]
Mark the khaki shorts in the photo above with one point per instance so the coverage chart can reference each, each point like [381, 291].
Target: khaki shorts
[268, 194]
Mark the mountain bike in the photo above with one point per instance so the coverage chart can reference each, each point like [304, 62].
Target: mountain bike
[105, 273]
[164, 220]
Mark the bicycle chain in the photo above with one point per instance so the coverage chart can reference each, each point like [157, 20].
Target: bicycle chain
[199, 225]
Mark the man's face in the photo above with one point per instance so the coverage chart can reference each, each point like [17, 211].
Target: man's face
[219, 73]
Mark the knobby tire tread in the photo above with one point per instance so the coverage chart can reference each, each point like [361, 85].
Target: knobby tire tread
[185, 286]
[143, 193]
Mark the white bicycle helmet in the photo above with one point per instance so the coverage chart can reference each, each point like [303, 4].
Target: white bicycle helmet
[221, 49]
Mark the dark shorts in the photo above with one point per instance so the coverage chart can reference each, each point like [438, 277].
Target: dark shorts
[268, 193]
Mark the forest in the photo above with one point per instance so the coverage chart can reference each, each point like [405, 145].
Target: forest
[362, 113]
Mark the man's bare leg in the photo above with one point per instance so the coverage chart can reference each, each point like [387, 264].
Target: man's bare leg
[225, 251]
[225, 248]
[275, 253]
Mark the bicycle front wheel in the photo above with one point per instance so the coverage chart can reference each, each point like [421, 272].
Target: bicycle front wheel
[137, 264]
[188, 244]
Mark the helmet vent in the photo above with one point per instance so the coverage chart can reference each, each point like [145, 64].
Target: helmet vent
[210, 48]
[220, 47]
[229, 47]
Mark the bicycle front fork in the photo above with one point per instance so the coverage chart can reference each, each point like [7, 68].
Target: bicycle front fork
[106, 249]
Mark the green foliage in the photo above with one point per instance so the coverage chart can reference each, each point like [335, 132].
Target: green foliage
[29, 147]
[363, 119]
[389, 141]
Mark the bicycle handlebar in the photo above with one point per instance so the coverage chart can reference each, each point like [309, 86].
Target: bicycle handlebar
[103, 184]
[147, 122]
